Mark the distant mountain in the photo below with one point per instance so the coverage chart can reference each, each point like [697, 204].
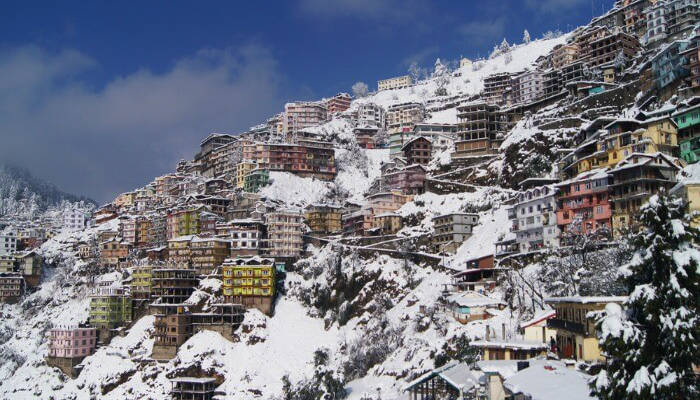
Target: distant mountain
[20, 191]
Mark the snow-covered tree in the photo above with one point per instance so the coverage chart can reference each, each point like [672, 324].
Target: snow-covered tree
[415, 72]
[652, 345]
[620, 60]
[504, 46]
[360, 89]
[441, 74]
[508, 58]
[526, 37]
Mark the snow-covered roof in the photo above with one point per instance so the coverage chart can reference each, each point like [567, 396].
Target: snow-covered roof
[185, 379]
[473, 299]
[549, 380]
[586, 299]
[539, 317]
[509, 344]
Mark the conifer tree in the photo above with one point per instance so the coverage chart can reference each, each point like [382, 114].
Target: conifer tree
[526, 37]
[651, 345]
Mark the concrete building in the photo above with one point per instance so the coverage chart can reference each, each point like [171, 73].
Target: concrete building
[633, 181]
[74, 219]
[409, 180]
[451, 230]
[284, 234]
[191, 388]
[208, 254]
[401, 119]
[688, 121]
[173, 285]
[480, 129]
[584, 201]
[304, 114]
[251, 282]
[141, 281]
[387, 223]
[531, 87]
[324, 219]
[338, 103]
[534, 219]
[495, 86]
[370, 114]
[395, 83]
[245, 236]
[8, 243]
[576, 332]
[11, 287]
[564, 54]
[418, 150]
[69, 345]
[110, 308]
[442, 136]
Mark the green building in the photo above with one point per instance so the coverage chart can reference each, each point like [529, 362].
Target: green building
[256, 179]
[109, 308]
[688, 121]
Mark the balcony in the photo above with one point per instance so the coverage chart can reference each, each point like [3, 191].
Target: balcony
[569, 326]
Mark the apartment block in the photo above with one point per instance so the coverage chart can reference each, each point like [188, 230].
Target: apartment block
[480, 129]
[245, 236]
[370, 114]
[68, 346]
[8, 243]
[495, 86]
[401, 120]
[687, 119]
[338, 103]
[409, 180]
[564, 54]
[193, 388]
[255, 180]
[11, 287]
[442, 136]
[530, 87]
[284, 234]
[387, 224]
[398, 82]
[324, 219]
[583, 204]
[251, 282]
[535, 219]
[173, 285]
[301, 115]
[208, 254]
[418, 151]
[451, 230]
[110, 308]
[306, 158]
[141, 281]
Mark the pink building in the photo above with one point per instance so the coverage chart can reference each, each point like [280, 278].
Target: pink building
[72, 342]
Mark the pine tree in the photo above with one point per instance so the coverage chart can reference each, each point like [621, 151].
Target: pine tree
[653, 344]
[526, 37]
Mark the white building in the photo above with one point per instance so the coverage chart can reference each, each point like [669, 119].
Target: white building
[395, 83]
[73, 219]
[284, 233]
[531, 86]
[535, 219]
[442, 136]
[8, 243]
[370, 114]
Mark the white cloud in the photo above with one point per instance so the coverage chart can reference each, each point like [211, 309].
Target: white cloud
[483, 32]
[99, 141]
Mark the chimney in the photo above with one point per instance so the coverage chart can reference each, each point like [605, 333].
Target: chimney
[503, 331]
[487, 333]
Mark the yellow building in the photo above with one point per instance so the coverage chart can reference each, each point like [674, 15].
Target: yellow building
[250, 281]
[180, 250]
[387, 223]
[576, 333]
[125, 199]
[7, 263]
[242, 169]
[536, 329]
[141, 282]
[324, 219]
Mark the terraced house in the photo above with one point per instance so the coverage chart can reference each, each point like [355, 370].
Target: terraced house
[250, 281]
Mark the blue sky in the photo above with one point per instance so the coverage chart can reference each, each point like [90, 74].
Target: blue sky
[99, 97]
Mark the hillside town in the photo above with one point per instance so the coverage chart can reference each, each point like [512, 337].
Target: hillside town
[455, 235]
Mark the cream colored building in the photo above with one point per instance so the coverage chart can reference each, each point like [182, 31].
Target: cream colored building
[395, 83]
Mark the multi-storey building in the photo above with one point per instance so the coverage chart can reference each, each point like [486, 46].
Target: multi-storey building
[173, 285]
[479, 129]
[127, 228]
[338, 103]
[141, 281]
[398, 82]
[11, 287]
[304, 114]
[110, 308]
[190, 388]
[386, 202]
[208, 254]
[284, 234]
[564, 54]
[323, 219]
[250, 282]
[409, 180]
[114, 251]
[495, 86]
[530, 88]
[534, 219]
[304, 158]
[370, 114]
[190, 221]
[670, 65]
[692, 53]
[358, 223]
[8, 243]
[688, 121]
[157, 229]
[73, 219]
[605, 49]
[387, 223]
[583, 203]
[576, 332]
[551, 82]
[69, 345]
[451, 230]
[418, 151]
[245, 236]
[401, 120]
[634, 180]
[255, 180]
[7, 264]
[242, 169]
[442, 136]
[366, 136]
[29, 264]
[180, 251]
